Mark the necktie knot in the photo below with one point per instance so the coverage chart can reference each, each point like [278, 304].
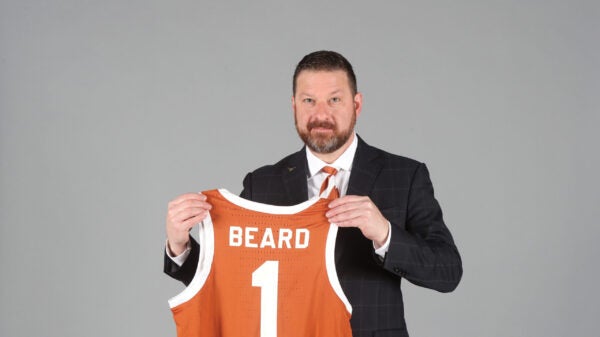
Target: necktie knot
[329, 170]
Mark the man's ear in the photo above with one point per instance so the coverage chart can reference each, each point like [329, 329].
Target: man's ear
[358, 98]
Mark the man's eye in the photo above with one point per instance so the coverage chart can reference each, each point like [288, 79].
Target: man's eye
[308, 100]
[335, 100]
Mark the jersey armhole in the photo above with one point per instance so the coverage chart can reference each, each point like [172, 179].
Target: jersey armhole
[331, 269]
[206, 239]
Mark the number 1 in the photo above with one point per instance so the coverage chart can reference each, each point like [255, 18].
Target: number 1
[266, 277]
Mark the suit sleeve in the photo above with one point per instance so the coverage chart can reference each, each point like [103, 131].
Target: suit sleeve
[423, 251]
[184, 273]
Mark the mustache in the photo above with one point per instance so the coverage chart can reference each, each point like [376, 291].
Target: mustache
[320, 124]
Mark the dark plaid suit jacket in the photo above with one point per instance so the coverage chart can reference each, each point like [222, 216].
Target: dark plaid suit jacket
[421, 248]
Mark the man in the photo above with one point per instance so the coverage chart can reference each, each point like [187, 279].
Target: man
[391, 226]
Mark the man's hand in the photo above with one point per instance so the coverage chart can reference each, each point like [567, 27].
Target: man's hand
[360, 212]
[184, 212]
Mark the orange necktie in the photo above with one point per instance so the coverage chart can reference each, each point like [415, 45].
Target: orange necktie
[335, 193]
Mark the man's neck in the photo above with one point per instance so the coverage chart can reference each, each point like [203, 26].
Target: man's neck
[333, 156]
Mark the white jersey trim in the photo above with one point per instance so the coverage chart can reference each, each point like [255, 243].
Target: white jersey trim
[334, 281]
[266, 208]
[206, 239]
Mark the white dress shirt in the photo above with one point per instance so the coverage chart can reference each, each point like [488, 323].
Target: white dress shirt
[343, 165]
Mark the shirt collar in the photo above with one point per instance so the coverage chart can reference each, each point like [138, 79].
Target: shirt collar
[344, 162]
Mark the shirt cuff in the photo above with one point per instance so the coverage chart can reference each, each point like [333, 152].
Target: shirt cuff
[179, 259]
[381, 251]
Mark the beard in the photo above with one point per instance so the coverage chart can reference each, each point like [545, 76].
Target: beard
[325, 143]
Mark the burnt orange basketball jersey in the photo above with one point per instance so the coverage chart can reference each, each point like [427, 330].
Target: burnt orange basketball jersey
[264, 271]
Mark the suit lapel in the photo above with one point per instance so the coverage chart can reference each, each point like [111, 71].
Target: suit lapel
[294, 178]
[365, 168]
[351, 245]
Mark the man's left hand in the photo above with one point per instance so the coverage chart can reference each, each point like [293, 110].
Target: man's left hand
[360, 212]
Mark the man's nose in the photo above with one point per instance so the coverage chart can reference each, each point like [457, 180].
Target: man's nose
[322, 109]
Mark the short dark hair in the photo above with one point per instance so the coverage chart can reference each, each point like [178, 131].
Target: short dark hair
[325, 60]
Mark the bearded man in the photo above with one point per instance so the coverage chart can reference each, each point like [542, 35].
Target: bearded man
[391, 226]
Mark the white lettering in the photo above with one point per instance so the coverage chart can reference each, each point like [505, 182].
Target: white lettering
[250, 237]
[268, 239]
[285, 236]
[279, 238]
[302, 237]
[235, 236]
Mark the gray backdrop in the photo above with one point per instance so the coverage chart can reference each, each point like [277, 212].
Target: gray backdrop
[111, 108]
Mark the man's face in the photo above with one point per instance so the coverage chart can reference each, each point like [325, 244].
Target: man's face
[325, 110]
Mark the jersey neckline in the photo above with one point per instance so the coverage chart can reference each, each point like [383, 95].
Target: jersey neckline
[267, 208]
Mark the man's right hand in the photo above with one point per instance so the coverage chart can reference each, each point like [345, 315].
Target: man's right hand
[184, 212]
